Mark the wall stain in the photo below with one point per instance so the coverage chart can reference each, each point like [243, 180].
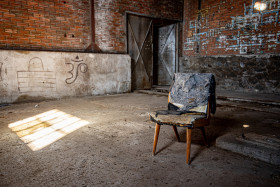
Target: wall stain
[1, 64]
[27, 98]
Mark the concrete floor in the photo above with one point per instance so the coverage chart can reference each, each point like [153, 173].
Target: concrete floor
[113, 146]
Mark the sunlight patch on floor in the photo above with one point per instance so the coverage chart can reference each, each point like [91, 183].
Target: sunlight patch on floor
[43, 129]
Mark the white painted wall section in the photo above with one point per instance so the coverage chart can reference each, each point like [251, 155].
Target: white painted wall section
[29, 75]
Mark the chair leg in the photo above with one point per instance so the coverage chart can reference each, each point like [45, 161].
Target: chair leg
[204, 136]
[188, 150]
[156, 138]
[176, 133]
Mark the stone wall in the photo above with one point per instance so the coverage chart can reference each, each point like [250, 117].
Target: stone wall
[30, 75]
[238, 73]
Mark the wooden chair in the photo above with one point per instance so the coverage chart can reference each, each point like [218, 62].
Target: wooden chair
[178, 114]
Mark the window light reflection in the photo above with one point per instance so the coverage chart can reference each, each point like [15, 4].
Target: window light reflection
[41, 130]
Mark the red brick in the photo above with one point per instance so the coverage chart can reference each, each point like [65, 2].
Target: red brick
[52, 19]
[28, 25]
[8, 15]
[220, 20]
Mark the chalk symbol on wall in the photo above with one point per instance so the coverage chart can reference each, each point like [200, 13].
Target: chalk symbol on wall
[1, 71]
[36, 79]
[82, 67]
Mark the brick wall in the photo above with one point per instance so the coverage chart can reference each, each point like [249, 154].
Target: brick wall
[45, 25]
[240, 45]
[231, 27]
[110, 19]
[65, 25]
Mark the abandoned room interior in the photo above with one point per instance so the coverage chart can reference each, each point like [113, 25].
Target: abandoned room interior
[139, 92]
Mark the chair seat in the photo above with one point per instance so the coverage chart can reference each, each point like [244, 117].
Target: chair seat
[183, 120]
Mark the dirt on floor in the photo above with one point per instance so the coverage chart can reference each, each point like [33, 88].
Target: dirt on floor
[107, 141]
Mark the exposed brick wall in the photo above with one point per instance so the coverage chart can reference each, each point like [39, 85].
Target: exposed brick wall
[240, 45]
[231, 27]
[110, 19]
[45, 25]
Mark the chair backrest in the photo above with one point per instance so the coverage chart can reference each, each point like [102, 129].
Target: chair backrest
[191, 92]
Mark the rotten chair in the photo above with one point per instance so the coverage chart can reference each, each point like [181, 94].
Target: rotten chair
[191, 100]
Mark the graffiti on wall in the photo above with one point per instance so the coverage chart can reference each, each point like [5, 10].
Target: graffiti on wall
[245, 35]
[36, 79]
[77, 66]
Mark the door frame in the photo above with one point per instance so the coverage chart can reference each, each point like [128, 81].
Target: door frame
[176, 22]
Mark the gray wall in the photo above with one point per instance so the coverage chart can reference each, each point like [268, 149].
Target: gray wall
[31, 75]
[259, 74]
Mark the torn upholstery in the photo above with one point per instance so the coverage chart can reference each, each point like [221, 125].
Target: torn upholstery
[188, 99]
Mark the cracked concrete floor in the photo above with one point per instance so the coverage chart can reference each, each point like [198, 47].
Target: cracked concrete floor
[113, 147]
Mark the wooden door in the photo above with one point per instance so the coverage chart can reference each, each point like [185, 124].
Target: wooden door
[166, 54]
[140, 48]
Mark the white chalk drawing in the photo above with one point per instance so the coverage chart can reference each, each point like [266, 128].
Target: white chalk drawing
[36, 79]
[242, 27]
[1, 64]
[243, 50]
[76, 67]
